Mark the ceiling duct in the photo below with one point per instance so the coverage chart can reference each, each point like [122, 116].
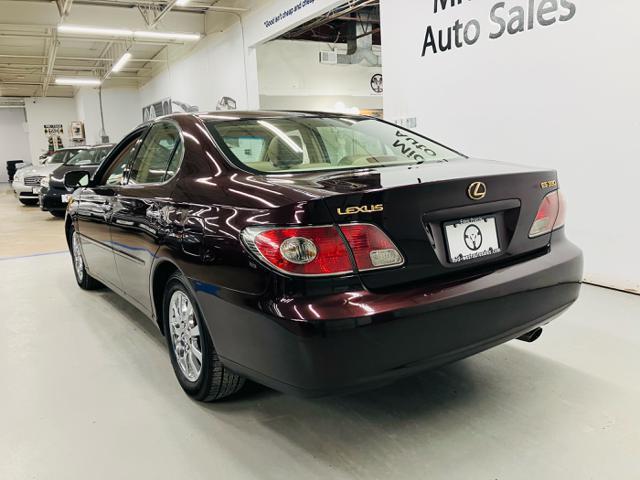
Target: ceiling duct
[360, 45]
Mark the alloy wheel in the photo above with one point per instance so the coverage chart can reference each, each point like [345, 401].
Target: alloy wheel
[185, 335]
[78, 263]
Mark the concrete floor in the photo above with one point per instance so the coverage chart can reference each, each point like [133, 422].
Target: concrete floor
[87, 392]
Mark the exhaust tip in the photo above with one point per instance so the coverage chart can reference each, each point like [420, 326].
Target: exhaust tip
[531, 336]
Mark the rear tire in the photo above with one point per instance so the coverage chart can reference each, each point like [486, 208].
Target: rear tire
[28, 201]
[85, 281]
[57, 213]
[195, 362]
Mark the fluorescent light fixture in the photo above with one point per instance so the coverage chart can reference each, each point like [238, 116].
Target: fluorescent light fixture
[77, 81]
[139, 34]
[119, 65]
[189, 37]
[182, 3]
[111, 32]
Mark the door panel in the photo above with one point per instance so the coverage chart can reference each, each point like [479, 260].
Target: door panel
[142, 210]
[138, 225]
[94, 211]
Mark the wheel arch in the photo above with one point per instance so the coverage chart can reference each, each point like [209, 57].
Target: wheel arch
[68, 224]
[162, 271]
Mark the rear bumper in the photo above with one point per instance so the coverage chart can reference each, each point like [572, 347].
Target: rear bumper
[403, 333]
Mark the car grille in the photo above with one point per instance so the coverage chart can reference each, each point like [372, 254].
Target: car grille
[33, 181]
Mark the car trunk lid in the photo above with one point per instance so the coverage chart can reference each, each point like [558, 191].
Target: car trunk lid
[414, 205]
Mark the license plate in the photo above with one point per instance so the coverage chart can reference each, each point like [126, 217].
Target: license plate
[472, 238]
[36, 190]
[64, 198]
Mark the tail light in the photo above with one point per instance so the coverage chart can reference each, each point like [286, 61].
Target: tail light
[300, 250]
[371, 248]
[550, 216]
[318, 251]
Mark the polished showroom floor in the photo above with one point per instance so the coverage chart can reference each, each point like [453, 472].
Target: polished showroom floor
[87, 392]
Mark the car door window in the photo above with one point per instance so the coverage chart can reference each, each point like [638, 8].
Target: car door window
[114, 175]
[154, 161]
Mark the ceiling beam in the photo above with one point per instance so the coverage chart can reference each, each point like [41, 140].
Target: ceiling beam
[84, 38]
[81, 59]
[51, 60]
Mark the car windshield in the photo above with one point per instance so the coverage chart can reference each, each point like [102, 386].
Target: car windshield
[91, 156]
[57, 157]
[299, 144]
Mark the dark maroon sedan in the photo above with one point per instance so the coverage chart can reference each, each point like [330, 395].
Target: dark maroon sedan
[319, 253]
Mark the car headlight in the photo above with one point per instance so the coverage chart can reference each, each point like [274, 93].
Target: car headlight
[18, 176]
[44, 182]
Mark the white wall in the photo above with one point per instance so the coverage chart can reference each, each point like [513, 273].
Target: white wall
[13, 138]
[225, 63]
[291, 76]
[565, 96]
[121, 109]
[212, 70]
[42, 111]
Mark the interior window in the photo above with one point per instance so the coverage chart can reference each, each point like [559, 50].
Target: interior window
[152, 163]
[116, 171]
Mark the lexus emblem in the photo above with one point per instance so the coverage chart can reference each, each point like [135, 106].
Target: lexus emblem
[477, 191]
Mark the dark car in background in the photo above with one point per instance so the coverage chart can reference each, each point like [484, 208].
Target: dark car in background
[319, 253]
[54, 195]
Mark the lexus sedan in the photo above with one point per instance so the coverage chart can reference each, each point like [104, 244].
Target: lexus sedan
[26, 182]
[53, 194]
[318, 253]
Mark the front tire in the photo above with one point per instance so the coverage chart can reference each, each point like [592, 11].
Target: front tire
[85, 281]
[28, 201]
[57, 213]
[195, 362]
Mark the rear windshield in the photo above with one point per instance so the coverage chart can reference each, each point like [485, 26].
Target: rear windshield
[321, 143]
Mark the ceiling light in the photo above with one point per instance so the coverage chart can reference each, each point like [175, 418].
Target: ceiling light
[77, 81]
[181, 3]
[139, 34]
[112, 32]
[189, 37]
[121, 62]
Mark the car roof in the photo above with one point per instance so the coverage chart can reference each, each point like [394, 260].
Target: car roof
[230, 115]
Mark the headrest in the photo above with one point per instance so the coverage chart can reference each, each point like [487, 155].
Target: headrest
[282, 155]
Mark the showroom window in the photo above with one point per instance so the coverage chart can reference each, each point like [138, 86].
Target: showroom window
[156, 162]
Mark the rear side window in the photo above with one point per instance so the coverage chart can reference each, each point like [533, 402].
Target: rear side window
[155, 160]
[114, 175]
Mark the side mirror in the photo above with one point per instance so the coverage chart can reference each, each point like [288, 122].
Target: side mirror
[76, 178]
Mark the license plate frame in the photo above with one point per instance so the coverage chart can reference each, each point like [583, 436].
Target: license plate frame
[470, 239]
[64, 198]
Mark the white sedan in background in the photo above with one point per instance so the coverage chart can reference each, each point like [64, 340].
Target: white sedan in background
[26, 182]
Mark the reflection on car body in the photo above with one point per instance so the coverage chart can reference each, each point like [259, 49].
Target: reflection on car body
[310, 252]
